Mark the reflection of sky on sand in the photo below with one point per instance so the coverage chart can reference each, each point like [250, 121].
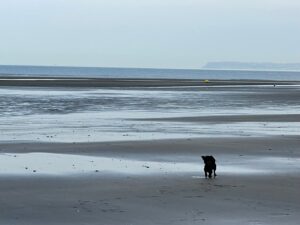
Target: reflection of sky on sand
[97, 128]
[65, 164]
[260, 165]
[144, 102]
[80, 115]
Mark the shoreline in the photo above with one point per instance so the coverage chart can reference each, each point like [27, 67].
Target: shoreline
[33, 81]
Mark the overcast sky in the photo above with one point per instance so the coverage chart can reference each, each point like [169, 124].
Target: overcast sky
[148, 33]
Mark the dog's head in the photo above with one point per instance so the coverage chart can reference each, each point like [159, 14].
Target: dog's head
[204, 158]
[208, 159]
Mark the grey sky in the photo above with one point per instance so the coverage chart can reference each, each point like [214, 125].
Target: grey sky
[148, 33]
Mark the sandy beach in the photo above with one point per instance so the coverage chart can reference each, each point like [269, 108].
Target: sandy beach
[257, 183]
[126, 174]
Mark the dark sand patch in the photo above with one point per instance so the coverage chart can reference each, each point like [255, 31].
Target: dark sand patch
[232, 118]
[116, 82]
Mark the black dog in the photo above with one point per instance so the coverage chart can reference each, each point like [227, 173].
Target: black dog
[209, 165]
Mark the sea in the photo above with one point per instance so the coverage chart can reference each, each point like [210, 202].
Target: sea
[106, 72]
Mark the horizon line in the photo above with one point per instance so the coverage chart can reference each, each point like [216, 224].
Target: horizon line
[153, 68]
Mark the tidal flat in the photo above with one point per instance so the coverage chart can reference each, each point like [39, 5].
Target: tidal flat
[132, 155]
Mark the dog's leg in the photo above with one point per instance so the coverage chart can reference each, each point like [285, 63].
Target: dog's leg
[214, 169]
[215, 173]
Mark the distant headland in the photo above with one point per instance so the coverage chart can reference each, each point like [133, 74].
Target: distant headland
[269, 66]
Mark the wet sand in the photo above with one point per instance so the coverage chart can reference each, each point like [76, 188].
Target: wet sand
[236, 196]
[28, 81]
[155, 181]
[232, 118]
